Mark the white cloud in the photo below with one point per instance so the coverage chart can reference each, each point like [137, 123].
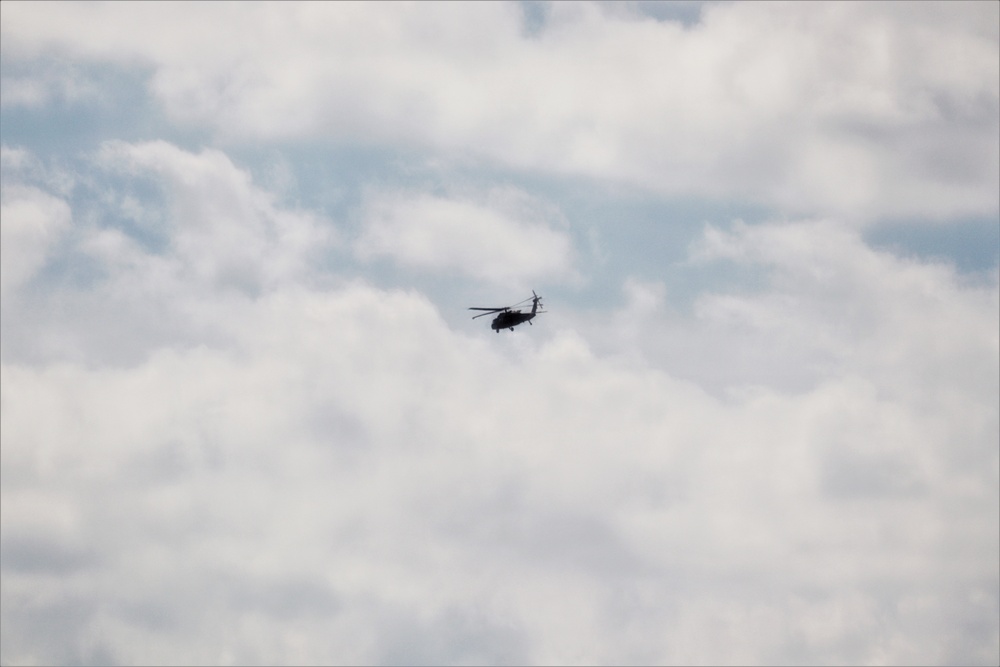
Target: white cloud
[31, 222]
[363, 489]
[861, 110]
[36, 89]
[226, 230]
[815, 301]
[323, 473]
[502, 236]
[208, 230]
[218, 446]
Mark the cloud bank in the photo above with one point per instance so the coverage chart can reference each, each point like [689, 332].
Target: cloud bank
[501, 236]
[860, 110]
[242, 458]
[246, 418]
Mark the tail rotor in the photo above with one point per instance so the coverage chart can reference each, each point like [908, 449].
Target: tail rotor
[536, 302]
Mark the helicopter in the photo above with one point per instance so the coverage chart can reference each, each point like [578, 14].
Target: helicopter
[508, 317]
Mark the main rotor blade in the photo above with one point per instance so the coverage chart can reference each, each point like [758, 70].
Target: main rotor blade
[485, 314]
[503, 308]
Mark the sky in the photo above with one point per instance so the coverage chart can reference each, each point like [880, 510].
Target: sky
[246, 416]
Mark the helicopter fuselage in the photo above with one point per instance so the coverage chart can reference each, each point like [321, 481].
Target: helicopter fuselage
[510, 319]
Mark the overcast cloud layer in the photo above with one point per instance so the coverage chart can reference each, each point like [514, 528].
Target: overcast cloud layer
[246, 419]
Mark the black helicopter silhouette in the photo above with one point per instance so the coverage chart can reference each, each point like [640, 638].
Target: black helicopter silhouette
[508, 318]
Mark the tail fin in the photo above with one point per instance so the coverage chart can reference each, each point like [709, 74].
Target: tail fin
[534, 302]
